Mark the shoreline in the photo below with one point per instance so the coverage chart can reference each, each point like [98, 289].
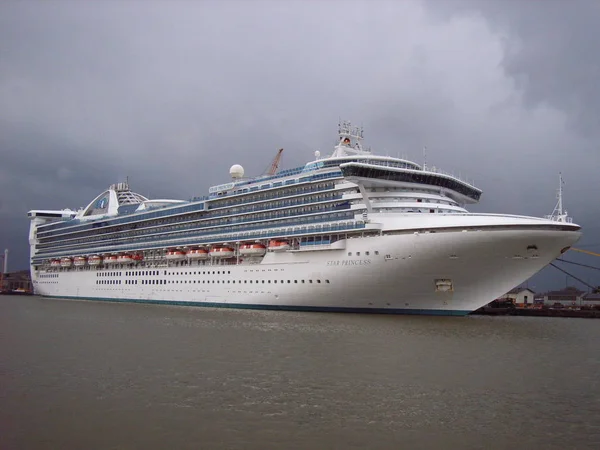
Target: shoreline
[538, 312]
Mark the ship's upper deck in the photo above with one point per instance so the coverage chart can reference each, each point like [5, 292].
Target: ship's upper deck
[119, 205]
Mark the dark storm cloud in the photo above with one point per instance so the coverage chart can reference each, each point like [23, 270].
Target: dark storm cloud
[551, 51]
[172, 94]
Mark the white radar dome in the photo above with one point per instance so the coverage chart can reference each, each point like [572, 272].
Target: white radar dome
[236, 171]
[317, 154]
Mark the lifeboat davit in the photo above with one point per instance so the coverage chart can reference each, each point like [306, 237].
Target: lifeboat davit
[197, 253]
[222, 252]
[55, 263]
[80, 261]
[66, 262]
[175, 255]
[252, 250]
[278, 246]
[95, 260]
[112, 259]
[125, 258]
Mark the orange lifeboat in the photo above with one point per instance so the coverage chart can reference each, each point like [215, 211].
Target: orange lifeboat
[197, 253]
[278, 246]
[175, 255]
[222, 252]
[252, 250]
[95, 260]
[66, 262]
[80, 261]
[55, 263]
[137, 257]
[112, 259]
[125, 258]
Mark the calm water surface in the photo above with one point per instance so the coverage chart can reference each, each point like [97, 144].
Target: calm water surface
[87, 375]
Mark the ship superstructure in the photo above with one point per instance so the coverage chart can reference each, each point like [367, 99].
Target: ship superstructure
[351, 231]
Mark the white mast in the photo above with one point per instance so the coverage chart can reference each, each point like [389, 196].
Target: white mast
[559, 215]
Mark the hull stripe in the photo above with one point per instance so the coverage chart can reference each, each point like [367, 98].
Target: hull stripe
[407, 311]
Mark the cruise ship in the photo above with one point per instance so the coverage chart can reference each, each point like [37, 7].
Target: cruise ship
[351, 231]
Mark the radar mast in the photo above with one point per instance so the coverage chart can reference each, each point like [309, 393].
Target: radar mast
[349, 140]
[559, 214]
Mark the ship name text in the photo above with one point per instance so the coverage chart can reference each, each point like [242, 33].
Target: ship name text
[349, 262]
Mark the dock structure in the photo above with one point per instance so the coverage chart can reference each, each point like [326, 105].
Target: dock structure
[16, 282]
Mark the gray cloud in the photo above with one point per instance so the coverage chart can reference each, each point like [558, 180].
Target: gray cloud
[551, 51]
[172, 93]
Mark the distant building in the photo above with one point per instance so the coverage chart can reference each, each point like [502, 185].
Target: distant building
[519, 296]
[592, 299]
[16, 280]
[570, 297]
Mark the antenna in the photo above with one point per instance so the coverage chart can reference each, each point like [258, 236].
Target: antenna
[559, 214]
[349, 138]
[559, 205]
[424, 157]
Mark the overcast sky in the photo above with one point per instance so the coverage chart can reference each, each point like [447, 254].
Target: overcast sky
[171, 94]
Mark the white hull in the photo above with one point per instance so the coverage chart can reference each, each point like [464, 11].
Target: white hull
[481, 264]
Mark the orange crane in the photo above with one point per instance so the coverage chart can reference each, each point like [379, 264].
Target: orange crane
[275, 163]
